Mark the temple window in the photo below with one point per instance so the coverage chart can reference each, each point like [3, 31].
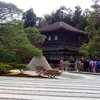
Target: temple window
[49, 38]
[56, 37]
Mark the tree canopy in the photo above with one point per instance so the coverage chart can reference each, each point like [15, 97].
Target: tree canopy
[34, 36]
[8, 11]
[14, 41]
[92, 48]
[29, 18]
[75, 18]
[15, 45]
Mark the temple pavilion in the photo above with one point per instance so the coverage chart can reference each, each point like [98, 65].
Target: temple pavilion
[62, 41]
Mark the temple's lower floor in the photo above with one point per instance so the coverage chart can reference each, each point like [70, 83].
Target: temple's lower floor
[55, 56]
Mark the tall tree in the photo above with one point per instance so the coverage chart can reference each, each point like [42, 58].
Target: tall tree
[15, 45]
[61, 14]
[8, 11]
[82, 22]
[94, 20]
[76, 16]
[29, 18]
[91, 49]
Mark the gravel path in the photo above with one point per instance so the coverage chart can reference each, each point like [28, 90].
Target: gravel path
[69, 86]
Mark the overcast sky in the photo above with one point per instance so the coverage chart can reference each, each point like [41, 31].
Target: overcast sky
[42, 7]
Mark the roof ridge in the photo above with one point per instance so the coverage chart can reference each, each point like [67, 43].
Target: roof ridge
[60, 25]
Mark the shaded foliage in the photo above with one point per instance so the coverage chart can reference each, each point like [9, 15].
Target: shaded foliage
[29, 18]
[74, 18]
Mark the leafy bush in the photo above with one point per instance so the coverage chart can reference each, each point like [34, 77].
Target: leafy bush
[52, 73]
[22, 68]
[2, 70]
[40, 70]
[13, 64]
[5, 68]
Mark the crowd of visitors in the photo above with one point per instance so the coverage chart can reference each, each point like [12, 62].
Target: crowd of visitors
[86, 65]
[89, 65]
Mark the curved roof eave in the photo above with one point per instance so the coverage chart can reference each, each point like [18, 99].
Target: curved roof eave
[58, 26]
[81, 32]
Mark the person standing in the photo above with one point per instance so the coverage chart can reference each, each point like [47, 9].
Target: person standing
[80, 66]
[94, 65]
[86, 65]
[72, 61]
[90, 65]
[62, 64]
[99, 66]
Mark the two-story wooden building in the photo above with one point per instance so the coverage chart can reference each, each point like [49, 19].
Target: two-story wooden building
[62, 41]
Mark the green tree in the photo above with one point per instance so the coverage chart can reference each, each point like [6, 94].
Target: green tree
[74, 18]
[15, 45]
[82, 23]
[22, 68]
[29, 18]
[91, 49]
[34, 36]
[76, 15]
[8, 11]
[61, 14]
[94, 21]
[5, 68]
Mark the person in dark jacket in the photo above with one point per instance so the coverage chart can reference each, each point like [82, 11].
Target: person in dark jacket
[72, 61]
[86, 65]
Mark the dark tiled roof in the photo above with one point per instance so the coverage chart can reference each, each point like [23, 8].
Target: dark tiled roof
[60, 25]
